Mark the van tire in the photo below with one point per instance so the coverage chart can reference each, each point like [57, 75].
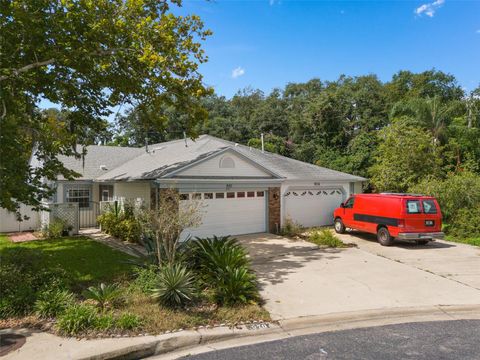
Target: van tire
[339, 227]
[384, 237]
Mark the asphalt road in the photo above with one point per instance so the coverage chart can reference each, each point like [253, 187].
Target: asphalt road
[457, 339]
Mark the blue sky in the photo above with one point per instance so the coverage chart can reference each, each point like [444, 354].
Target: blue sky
[268, 43]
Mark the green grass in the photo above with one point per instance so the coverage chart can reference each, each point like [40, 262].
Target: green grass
[87, 261]
[470, 241]
[325, 238]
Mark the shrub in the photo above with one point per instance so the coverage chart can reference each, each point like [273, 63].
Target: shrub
[466, 223]
[54, 230]
[325, 238]
[217, 253]
[457, 191]
[24, 274]
[103, 294]
[53, 303]
[235, 285]
[146, 278]
[291, 228]
[224, 266]
[128, 321]
[121, 226]
[175, 285]
[104, 322]
[76, 319]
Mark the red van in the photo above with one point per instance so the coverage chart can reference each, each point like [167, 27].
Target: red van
[391, 215]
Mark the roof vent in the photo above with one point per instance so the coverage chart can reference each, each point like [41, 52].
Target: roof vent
[103, 167]
[236, 144]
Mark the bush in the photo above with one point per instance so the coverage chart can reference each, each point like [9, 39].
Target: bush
[76, 319]
[24, 275]
[325, 238]
[146, 278]
[458, 191]
[175, 285]
[291, 228]
[54, 230]
[223, 265]
[104, 295]
[466, 223]
[217, 253]
[128, 321]
[104, 322]
[121, 226]
[235, 285]
[53, 303]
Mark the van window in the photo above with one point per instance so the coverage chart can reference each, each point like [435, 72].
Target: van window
[429, 207]
[413, 206]
[349, 203]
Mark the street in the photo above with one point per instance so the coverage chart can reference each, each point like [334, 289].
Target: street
[456, 339]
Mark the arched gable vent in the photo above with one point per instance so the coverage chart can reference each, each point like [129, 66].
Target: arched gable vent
[227, 162]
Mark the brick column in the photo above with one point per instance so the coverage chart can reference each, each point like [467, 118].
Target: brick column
[273, 209]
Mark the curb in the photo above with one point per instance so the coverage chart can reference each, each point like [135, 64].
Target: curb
[291, 327]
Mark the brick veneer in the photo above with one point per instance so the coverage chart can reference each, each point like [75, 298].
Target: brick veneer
[273, 209]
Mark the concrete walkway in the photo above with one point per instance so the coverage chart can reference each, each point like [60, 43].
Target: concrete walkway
[298, 279]
[124, 246]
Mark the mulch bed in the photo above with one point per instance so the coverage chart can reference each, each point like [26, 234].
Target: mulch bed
[20, 237]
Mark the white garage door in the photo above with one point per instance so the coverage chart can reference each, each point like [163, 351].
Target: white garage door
[229, 213]
[312, 207]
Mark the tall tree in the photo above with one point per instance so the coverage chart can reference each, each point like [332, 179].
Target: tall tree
[87, 56]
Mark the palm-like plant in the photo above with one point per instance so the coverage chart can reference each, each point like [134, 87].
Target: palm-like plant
[103, 294]
[176, 285]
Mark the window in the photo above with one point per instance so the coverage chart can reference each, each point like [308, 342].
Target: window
[260, 194]
[80, 196]
[241, 194]
[208, 196]
[429, 207]
[349, 203]
[413, 206]
[184, 197]
[230, 195]
[219, 195]
[197, 196]
[227, 162]
[251, 194]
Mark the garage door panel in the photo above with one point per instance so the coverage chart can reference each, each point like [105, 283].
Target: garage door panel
[312, 207]
[231, 216]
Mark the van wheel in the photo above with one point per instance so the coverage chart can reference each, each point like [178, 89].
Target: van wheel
[384, 237]
[339, 227]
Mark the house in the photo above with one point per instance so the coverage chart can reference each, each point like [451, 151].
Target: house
[243, 190]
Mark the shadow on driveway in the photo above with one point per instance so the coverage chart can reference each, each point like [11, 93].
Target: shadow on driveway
[274, 258]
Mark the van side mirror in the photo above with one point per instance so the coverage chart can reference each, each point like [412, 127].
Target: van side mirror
[342, 205]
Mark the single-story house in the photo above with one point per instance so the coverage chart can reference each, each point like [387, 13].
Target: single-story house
[242, 189]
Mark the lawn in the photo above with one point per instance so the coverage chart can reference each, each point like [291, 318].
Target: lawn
[86, 261]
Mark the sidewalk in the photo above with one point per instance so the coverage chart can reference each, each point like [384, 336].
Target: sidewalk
[42, 346]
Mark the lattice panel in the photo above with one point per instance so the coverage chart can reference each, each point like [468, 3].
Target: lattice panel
[67, 212]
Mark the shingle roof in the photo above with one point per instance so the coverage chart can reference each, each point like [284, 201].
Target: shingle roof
[90, 166]
[166, 157]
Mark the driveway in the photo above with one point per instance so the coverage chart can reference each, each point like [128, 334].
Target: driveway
[299, 279]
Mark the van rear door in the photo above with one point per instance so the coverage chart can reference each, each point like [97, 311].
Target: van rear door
[421, 215]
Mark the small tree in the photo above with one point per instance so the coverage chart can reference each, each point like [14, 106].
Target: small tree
[168, 221]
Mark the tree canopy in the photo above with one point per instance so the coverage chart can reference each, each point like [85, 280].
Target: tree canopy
[89, 57]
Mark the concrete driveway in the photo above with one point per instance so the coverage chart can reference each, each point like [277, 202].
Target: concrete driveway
[299, 279]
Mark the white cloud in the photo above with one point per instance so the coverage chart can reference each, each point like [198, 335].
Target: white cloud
[237, 72]
[429, 8]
